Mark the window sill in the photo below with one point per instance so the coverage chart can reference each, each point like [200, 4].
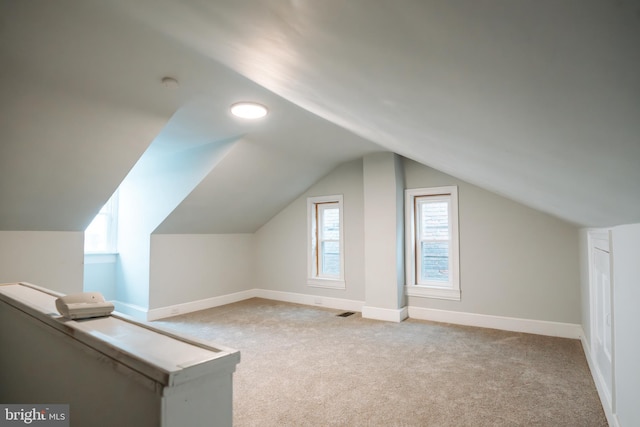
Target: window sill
[317, 282]
[100, 258]
[433, 292]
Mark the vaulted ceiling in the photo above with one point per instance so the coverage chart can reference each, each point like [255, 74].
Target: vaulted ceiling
[537, 101]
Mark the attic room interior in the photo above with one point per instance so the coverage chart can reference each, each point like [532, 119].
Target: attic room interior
[469, 167]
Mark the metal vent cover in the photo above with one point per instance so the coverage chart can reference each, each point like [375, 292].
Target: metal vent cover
[346, 314]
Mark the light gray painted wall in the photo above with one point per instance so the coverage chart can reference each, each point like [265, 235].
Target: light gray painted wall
[382, 176]
[52, 259]
[281, 244]
[400, 248]
[191, 267]
[100, 275]
[158, 183]
[584, 284]
[626, 297]
[514, 261]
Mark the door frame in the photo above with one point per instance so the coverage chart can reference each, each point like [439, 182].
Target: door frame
[600, 239]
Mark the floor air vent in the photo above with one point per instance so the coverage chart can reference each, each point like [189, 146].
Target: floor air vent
[345, 314]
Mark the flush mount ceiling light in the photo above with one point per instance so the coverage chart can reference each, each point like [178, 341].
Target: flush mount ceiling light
[248, 110]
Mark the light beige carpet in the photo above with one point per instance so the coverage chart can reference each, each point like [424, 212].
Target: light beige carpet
[303, 366]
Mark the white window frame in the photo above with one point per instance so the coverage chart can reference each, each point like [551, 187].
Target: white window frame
[110, 210]
[442, 290]
[314, 279]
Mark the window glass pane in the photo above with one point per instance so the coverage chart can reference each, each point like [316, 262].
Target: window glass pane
[100, 235]
[330, 253]
[434, 265]
[96, 235]
[331, 224]
[434, 220]
[325, 266]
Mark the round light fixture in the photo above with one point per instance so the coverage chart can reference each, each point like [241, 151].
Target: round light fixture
[248, 110]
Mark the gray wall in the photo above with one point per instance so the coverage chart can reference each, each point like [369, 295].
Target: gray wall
[515, 261]
[281, 244]
[584, 283]
[191, 267]
[157, 184]
[52, 259]
[100, 274]
[383, 224]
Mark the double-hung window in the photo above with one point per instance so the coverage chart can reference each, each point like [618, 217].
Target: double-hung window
[325, 247]
[432, 267]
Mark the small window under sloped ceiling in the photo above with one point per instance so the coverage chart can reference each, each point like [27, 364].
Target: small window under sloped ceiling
[100, 237]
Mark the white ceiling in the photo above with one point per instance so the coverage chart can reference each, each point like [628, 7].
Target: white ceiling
[537, 101]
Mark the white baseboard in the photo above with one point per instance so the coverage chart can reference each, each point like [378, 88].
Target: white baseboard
[328, 302]
[203, 304]
[177, 309]
[387, 314]
[539, 327]
[600, 387]
[133, 310]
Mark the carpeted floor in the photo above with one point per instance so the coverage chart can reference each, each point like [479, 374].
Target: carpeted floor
[304, 366]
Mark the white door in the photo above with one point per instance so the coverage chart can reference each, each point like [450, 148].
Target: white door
[601, 311]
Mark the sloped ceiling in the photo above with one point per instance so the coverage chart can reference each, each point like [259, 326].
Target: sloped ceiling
[81, 99]
[537, 101]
